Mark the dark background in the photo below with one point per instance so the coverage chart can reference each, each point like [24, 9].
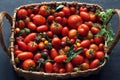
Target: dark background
[111, 70]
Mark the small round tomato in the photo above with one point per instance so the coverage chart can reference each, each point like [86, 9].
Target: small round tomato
[77, 60]
[82, 31]
[85, 16]
[41, 46]
[101, 47]
[37, 56]
[84, 26]
[35, 10]
[39, 20]
[30, 37]
[61, 14]
[48, 67]
[85, 43]
[16, 52]
[44, 10]
[25, 55]
[65, 31]
[92, 17]
[66, 11]
[56, 42]
[22, 45]
[64, 21]
[90, 53]
[99, 39]
[60, 58]
[95, 30]
[62, 70]
[99, 55]
[72, 10]
[28, 64]
[32, 26]
[74, 21]
[95, 63]
[94, 47]
[17, 30]
[32, 46]
[22, 13]
[27, 20]
[21, 24]
[58, 19]
[85, 66]
[83, 9]
[69, 67]
[72, 33]
[50, 18]
[89, 24]
[53, 53]
[42, 28]
[50, 34]
[56, 67]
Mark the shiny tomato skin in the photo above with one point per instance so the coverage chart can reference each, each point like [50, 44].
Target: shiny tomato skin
[85, 16]
[62, 70]
[95, 30]
[32, 26]
[90, 54]
[60, 58]
[44, 10]
[94, 63]
[99, 39]
[85, 66]
[72, 10]
[94, 47]
[65, 31]
[22, 45]
[42, 28]
[83, 9]
[30, 37]
[66, 11]
[37, 56]
[41, 46]
[58, 19]
[85, 43]
[50, 18]
[48, 67]
[16, 52]
[53, 53]
[28, 64]
[22, 13]
[61, 14]
[82, 32]
[25, 55]
[89, 24]
[32, 46]
[56, 42]
[92, 16]
[72, 33]
[56, 67]
[69, 67]
[84, 26]
[101, 47]
[99, 55]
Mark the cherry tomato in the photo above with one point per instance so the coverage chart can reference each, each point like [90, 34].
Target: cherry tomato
[99, 55]
[21, 24]
[32, 46]
[30, 37]
[94, 47]
[22, 13]
[99, 39]
[85, 43]
[56, 42]
[69, 67]
[94, 63]
[50, 18]
[61, 14]
[53, 53]
[27, 20]
[90, 53]
[56, 67]
[41, 46]
[82, 32]
[85, 66]
[66, 11]
[16, 52]
[83, 9]
[35, 10]
[28, 64]
[50, 34]
[85, 16]
[95, 30]
[77, 60]
[72, 33]
[44, 10]
[89, 24]
[17, 30]
[64, 21]
[60, 58]
[62, 70]
[25, 55]
[92, 17]
[42, 28]
[37, 56]
[101, 47]
[84, 26]
[72, 10]
[48, 67]
[22, 45]
[58, 19]
[32, 26]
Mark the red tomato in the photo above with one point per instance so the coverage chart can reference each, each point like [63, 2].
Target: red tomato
[60, 58]
[32, 46]
[32, 26]
[48, 67]
[39, 20]
[25, 55]
[64, 21]
[85, 16]
[56, 67]
[42, 28]
[85, 43]
[21, 24]
[84, 26]
[50, 34]
[56, 28]
[92, 17]
[41, 46]
[99, 55]
[22, 45]
[61, 14]
[30, 37]
[28, 64]
[56, 42]
[95, 30]
[16, 52]
[44, 10]
[37, 56]
[90, 53]
[35, 10]
[94, 47]
[27, 20]
[17, 30]
[85, 66]
[50, 18]
[77, 60]
[72, 10]
[82, 32]
[69, 67]
[83, 9]
[89, 24]
[99, 39]
[53, 53]
[66, 11]
[74, 21]
[58, 19]
[72, 34]
[101, 47]
[94, 63]
[62, 70]
[22, 13]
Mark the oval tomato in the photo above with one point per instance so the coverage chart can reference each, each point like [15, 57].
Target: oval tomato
[90, 53]
[22, 13]
[85, 66]
[92, 16]
[60, 58]
[22, 45]
[42, 28]
[25, 55]
[99, 55]
[62, 70]
[44, 10]
[95, 30]
[66, 11]
[48, 67]
[50, 34]
[85, 43]
[99, 39]
[94, 47]
[41, 46]
[21, 24]
[85, 15]
[69, 67]
[72, 10]
[56, 67]
[84, 26]
[61, 14]
[16, 52]
[32, 26]
[30, 37]
[72, 34]
[32, 46]
[94, 63]
[50, 18]
[37, 56]
[101, 47]
[56, 42]
[53, 53]
[58, 19]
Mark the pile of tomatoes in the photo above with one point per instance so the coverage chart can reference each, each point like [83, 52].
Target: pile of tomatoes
[45, 34]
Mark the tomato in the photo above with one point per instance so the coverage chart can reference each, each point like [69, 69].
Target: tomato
[32, 26]
[99, 39]
[30, 37]
[42, 28]
[35, 10]
[64, 21]
[22, 45]
[32, 46]
[89, 24]
[28, 64]
[89, 36]
[21, 24]
[61, 14]
[16, 52]
[83, 9]
[50, 34]
[48, 67]
[82, 32]
[85, 16]
[39, 20]
[94, 47]
[25, 55]
[44, 10]
[92, 17]
[85, 43]
[22, 13]
[17, 30]
[99, 55]
[53, 53]
[84, 26]
[56, 42]
[66, 11]
[90, 53]
[37, 56]
[94, 63]
[72, 33]
[77, 60]
[95, 30]
[32, 15]
[56, 67]
[58, 19]
[74, 21]
[41, 46]
[101, 47]
[85, 66]
[27, 20]
[72, 10]
[29, 10]
[56, 28]
[69, 67]
[50, 18]
[62, 70]
[60, 58]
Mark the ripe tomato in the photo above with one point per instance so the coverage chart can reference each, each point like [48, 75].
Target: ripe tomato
[30, 37]
[85, 16]
[99, 39]
[69, 67]
[28, 64]
[17, 30]
[72, 10]
[56, 67]
[22, 13]
[32, 46]
[42, 28]
[74, 21]
[39, 20]
[89, 24]
[53, 53]
[50, 34]
[66, 11]
[99, 55]
[22, 45]
[84, 26]
[50, 18]
[61, 14]
[101, 47]
[48, 67]
[94, 47]
[56, 28]
[85, 43]
[62, 70]
[56, 42]
[95, 30]
[37, 56]
[83, 9]
[32, 26]
[60, 58]
[90, 53]
[35, 10]
[92, 17]
[41, 46]
[21, 24]
[16, 52]
[77, 60]
[65, 31]
[82, 32]
[58, 19]
[25, 55]
[72, 34]
[94, 63]
[85, 66]
[44, 10]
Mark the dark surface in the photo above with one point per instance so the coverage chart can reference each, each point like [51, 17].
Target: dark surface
[111, 71]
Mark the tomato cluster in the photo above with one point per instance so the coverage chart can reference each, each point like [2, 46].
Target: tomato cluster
[45, 34]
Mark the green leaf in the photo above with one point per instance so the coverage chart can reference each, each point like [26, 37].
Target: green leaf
[70, 51]
[107, 56]
[59, 7]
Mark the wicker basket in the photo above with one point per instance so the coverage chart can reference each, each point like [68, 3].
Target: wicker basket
[28, 75]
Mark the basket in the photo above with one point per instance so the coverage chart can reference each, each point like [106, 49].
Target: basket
[32, 75]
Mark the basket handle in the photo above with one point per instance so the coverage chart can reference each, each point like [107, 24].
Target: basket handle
[2, 15]
[117, 37]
